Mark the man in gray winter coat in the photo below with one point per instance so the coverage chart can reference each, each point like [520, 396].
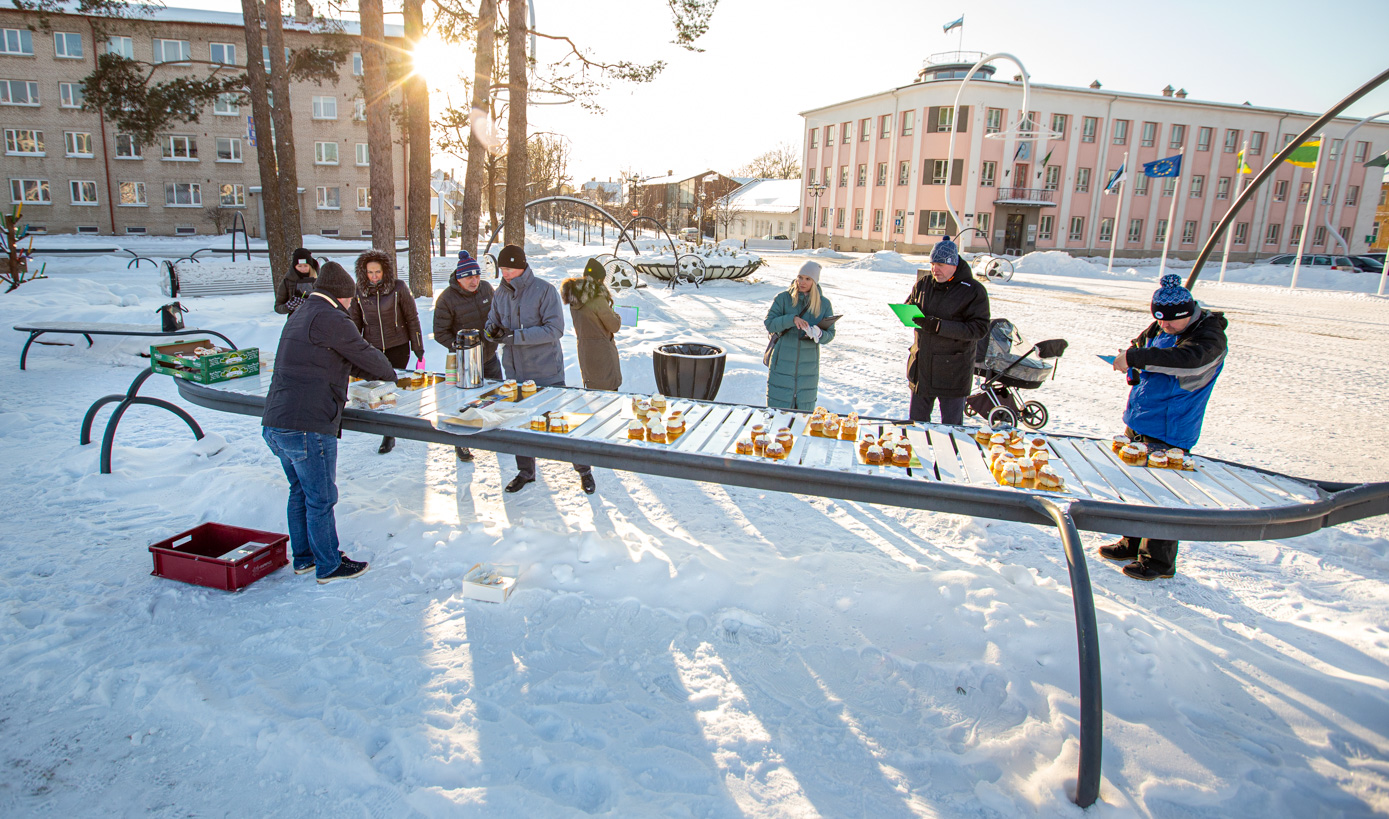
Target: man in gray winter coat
[527, 319]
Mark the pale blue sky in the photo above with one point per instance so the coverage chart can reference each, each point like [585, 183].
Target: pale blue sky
[766, 60]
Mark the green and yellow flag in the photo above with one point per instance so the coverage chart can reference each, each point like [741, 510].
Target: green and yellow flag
[1240, 165]
[1305, 155]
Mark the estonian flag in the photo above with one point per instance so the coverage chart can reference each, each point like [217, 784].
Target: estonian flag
[954, 25]
[1171, 166]
[1114, 179]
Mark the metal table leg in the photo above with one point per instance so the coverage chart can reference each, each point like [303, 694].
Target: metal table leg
[130, 397]
[1088, 646]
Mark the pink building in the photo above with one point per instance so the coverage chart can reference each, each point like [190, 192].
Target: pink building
[881, 166]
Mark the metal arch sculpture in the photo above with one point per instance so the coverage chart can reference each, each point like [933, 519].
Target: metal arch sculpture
[491, 240]
[1266, 171]
[618, 244]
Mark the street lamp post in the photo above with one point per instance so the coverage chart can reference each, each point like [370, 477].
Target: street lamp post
[816, 190]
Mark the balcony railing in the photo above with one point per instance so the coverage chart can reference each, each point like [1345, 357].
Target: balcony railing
[1025, 196]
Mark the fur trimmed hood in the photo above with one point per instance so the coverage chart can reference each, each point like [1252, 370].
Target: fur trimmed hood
[388, 280]
[580, 290]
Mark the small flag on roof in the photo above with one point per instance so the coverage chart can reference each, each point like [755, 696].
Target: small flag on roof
[1381, 161]
[951, 26]
[1305, 155]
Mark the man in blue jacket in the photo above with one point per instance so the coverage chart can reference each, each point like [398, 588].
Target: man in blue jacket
[302, 421]
[1172, 367]
[527, 319]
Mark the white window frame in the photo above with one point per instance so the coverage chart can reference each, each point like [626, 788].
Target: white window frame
[1106, 229]
[904, 172]
[1077, 232]
[31, 93]
[1271, 237]
[1058, 124]
[937, 221]
[320, 153]
[228, 56]
[364, 156]
[357, 64]
[993, 120]
[359, 109]
[877, 220]
[20, 188]
[169, 152]
[1082, 180]
[70, 95]
[13, 142]
[224, 106]
[909, 122]
[80, 190]
[322, 198]
[1149, 136]
[16, 42]
[988, 174]
[238, 195]
[194, 195]
[1140, 185]
[1203, 138]
[1231, 140]
[1160, 230]
[72, 144]
[1222, 188]
[1135, 231]
[1189, 232]
[124, 46]
[1052, 179]
[321, 105]
[1121, 132]
[134, 147]
[1176, 137]
[940, 171]
[160, 48]
[1045, 225]
[1241, 233]
[62, 45]
[1198, 185]
[1088, 127]
[234, 149]
[135, 188]
[363, 198]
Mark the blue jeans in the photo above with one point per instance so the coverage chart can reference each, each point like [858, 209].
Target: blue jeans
[310, 460]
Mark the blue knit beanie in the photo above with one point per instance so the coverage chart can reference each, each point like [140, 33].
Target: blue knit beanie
[467, 266]
[1172, 301]
[946, 251]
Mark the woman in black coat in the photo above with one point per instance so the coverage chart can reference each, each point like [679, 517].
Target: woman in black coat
[298, 283]
[385, 313]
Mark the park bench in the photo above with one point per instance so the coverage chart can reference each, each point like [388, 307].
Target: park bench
[1216, 501]
[87, 329]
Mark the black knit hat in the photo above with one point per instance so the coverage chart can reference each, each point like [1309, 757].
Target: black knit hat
[302, 255]
[594, 270]
[512, 257]
[334, 281]
[1172, 301]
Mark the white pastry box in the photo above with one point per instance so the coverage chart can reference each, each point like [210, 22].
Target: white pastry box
[490, 582]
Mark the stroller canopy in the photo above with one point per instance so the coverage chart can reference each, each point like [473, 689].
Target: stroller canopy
[994, 355]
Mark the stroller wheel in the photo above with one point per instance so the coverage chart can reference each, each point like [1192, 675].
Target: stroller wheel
[1002, 416]
[1034, 415]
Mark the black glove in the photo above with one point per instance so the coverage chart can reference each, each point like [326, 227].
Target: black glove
[930, 324]
[294, 303]
[492, 333]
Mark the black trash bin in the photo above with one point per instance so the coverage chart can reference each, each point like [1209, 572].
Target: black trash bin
[689, 370]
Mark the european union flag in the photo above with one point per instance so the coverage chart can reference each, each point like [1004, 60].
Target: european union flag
[1171, 166]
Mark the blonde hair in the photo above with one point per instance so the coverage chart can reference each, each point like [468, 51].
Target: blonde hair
[813, 310]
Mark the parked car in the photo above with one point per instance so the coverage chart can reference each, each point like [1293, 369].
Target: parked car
[1368, 264]
[1318, 260]
[1374, 256]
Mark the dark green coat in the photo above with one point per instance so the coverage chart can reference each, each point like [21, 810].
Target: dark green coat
[794, 376]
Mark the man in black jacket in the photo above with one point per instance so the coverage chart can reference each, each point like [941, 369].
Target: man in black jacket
[302, 421]
[464, 305]
[955, 315]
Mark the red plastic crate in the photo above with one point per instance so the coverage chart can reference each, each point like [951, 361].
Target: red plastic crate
[202, 555]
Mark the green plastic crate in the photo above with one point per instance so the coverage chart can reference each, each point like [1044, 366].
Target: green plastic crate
[208, 369]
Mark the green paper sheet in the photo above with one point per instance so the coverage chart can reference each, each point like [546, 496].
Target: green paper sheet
[906, 312]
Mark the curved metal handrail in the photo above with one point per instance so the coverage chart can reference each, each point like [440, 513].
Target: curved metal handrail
[1266, 171]
[136, 258]
[238, 217]
[491, 240]
[1336, 181]
[193, 257]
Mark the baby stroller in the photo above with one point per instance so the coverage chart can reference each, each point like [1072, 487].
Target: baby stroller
[1002, 373]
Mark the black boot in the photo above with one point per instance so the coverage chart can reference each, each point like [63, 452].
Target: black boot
[387, 444]
[586, 481]
[519, 482]
[1123, 550]
[463, 453]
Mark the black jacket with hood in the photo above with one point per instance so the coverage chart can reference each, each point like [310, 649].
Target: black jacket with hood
[294, 288]
[942, 363]
[386, 312]
[457, 309]
[318, 349]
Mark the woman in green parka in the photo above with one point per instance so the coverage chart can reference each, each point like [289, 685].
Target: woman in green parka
[794, 375]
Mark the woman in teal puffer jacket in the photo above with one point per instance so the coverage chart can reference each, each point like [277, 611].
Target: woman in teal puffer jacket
[794, 375]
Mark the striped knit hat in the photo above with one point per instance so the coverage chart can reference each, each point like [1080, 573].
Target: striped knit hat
[467, 266]
[1172, 301]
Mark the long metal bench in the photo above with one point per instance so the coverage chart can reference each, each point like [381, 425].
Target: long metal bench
[87, 329]
[1218, 500]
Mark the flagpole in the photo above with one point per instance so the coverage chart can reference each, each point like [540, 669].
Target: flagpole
[1239, 160]
[1171, 215]
[1307, 212]
[961, 46]
[1118, 202]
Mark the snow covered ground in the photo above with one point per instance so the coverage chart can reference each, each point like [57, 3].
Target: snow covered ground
[680, 649]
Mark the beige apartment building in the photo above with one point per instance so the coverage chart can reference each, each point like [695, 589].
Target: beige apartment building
[74, 173]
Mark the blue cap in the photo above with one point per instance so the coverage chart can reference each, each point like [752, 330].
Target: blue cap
[946, 251]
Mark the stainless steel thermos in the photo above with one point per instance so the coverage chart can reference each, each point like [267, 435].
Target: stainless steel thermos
[469, 347]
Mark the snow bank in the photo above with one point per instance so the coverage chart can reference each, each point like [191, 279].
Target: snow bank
[884, 261]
